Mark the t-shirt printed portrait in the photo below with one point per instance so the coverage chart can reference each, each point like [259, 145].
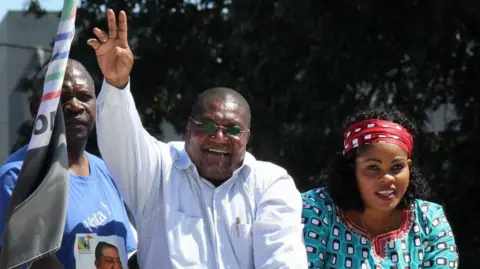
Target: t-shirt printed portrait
[96, 213]
[100, 252]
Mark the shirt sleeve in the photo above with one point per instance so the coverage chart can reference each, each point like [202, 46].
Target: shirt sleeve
[317, 227]
[8, 179]
[131, 154]
[441, 251]
[277, 228]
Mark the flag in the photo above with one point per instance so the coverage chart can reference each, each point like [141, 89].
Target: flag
[36, 215]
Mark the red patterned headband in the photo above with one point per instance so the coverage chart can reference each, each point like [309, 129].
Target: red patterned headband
[377, 131]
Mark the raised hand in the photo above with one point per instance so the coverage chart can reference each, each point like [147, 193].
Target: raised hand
[114, 56]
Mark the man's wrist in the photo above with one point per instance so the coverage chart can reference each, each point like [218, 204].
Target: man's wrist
[119, 83]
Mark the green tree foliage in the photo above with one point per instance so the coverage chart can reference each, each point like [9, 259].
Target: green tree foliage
[304, 66]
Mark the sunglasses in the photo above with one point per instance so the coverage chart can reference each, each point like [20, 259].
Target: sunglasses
[210, 127]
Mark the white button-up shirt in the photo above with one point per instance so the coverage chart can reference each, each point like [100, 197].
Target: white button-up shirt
[253, 220]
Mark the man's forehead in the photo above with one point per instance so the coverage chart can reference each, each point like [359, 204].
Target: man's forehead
[224, 107]
[75, 71]
[109, 251]
[78, 77]
[223, 103]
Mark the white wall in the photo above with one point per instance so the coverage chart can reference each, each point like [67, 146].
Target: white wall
[18, 29]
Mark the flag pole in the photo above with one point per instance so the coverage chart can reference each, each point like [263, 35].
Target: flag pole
[36, 216]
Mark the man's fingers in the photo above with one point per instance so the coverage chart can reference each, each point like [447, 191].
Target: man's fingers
[101, 35]
[112, 24]
[99, 47]
[94, 43]
[122, 26]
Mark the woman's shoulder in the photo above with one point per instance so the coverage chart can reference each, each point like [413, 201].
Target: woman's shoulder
[427, 207]
[317, 196]
[317, 203]
[430, 213]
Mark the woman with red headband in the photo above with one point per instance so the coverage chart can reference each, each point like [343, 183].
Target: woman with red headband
[372, 213]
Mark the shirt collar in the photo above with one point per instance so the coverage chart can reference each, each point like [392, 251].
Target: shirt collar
[182, 160]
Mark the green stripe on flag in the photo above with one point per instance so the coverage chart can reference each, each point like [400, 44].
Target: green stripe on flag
[53, 76]
[68, 7]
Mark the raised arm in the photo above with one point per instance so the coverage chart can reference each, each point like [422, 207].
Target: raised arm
[131, 154]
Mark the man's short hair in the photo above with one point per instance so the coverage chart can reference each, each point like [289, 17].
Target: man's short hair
[99, 249]
[220, 92]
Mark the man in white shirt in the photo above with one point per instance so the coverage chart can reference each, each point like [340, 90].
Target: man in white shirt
[202, 203]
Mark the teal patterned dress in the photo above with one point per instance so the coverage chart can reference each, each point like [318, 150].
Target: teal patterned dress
[424, 240]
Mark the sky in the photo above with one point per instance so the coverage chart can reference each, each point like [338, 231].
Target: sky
[6, 5]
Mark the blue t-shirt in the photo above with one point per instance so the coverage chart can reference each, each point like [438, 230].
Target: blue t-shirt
[95, 213]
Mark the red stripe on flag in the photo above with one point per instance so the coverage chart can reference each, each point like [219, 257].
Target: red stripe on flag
[51, 95]
[74, 13]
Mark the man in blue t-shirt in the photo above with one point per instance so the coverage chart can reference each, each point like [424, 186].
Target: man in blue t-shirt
[96, 211]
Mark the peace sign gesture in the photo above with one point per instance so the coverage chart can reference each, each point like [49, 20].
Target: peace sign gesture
[114, 56]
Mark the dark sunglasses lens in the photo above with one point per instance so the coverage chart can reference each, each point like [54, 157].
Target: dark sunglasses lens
[208, 127]
[233, 131]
